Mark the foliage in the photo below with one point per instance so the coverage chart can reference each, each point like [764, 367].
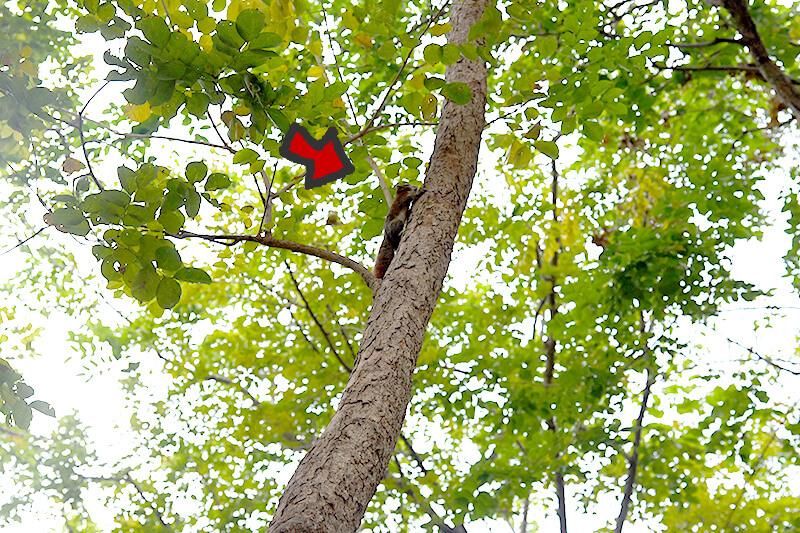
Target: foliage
[628, 170]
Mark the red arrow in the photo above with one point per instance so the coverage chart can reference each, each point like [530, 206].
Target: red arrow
[324, 159]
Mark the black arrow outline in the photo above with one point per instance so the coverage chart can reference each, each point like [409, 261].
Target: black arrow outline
[330, 136]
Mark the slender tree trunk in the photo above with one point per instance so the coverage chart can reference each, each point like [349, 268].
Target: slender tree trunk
[633, 463]
[334, 483]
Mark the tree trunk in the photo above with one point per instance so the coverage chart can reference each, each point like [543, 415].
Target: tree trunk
[336, 480]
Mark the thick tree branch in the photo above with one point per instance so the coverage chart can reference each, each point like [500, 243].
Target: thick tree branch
[769, 70]
[633, 460]
[11, 432]
[267, 240]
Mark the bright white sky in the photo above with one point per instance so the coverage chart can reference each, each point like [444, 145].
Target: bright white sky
[100, 401]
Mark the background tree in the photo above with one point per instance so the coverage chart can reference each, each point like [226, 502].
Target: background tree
[632, 137]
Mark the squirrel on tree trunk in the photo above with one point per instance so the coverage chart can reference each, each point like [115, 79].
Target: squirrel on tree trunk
[394, 225]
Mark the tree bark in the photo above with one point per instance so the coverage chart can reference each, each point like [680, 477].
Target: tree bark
[336, 480]
[771, 72]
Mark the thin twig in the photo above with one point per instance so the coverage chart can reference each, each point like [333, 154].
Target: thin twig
[229, 381]
[83, 140]
[385, 100]
[705, 44]
[316, 321]
[21, 243]
[752, 351]
[153, 506]
[344, 334]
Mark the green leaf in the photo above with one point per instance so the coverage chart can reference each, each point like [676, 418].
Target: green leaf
[547, 46]
[433, 83]
[217, 181]
[171, 220]
[168, 258]
[470, 51]
[24, 390]
[66, 199]
[477, 30]
[172, 201]
[440, 29]
[245, 156]
[155, 30]
[432, 54]
[168, 293]
[43, 407]
[68, 216]
[127, 178]
[192, 203]
[534, 132]
[249, 23]
[593, 130]
[196, 171]
[197, 104]
[108, 269]
[457, 92]
[145, 284]
[22, 414]
[192, 275]
[116, 197]
[227, 33]
[548, 148]
[106, 12]
[101, 252]
[450, 53]
[265, 40]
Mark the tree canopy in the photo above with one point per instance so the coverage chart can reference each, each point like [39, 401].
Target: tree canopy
[623, 149]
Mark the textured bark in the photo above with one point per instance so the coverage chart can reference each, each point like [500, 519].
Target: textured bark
[334, 483]
[772, 73]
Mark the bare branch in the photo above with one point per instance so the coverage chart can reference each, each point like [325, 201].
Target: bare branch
[764, 358]
[83, 140]
[317, 322]
[344, 334]
[267, 240]
[705, 44]
[364, 132]
[633, 462]
[21, 243]
[11, 432]
[735, 506]
[709, 68]
[633, 459]
[152, 505]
